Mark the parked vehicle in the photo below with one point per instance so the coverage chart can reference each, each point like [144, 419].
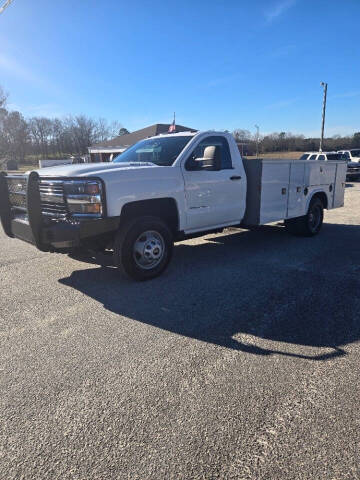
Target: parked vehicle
[353, 171]
[165, 189]
[321, 156]
[353, 168]
[351, 155]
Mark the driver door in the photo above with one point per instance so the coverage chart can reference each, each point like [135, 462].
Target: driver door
[212, 192]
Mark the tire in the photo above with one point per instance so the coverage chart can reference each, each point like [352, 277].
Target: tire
[143, 248]
[310, 224]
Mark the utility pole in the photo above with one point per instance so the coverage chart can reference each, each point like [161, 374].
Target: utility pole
[257, 140]
[324, 85]
[6, 4]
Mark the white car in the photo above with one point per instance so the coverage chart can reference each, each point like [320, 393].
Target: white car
[162, 190]
[353, 167]
[351, 155]
[321, 156]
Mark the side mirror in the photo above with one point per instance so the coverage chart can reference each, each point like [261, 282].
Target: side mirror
[211, 159]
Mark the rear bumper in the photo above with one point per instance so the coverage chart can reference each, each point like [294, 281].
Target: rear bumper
[49, 234]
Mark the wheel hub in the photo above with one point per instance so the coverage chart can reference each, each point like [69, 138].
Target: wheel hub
[149, 249]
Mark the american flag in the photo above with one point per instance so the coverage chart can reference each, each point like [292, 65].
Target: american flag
[172, 127]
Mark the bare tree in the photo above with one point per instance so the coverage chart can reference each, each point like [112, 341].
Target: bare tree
[101, 130]
[105, 130]
[15, 135]
[41, 129]
[241, 135]
[3, 98]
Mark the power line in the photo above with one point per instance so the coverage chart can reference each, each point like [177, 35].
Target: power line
[6, 4]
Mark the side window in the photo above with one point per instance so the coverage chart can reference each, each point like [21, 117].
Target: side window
[321, 157]
[312, 157]
[347, 155]
[210, 146]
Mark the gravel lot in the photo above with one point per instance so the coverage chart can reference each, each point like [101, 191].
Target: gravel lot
[241, 362]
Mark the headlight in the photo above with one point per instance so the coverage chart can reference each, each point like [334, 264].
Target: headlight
[84, 197]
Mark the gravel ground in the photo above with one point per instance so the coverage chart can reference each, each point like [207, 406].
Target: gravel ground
[241, 362]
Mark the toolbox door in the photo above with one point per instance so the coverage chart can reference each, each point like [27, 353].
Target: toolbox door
[296, 200]
[274, 191]
[339, 190]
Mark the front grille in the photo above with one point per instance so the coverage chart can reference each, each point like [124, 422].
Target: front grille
[52, 198]
[17, 192]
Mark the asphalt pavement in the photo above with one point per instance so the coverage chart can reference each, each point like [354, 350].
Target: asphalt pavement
[242, 361]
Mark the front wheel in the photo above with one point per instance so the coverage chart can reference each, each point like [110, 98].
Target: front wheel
[311, 223]
[143, 248]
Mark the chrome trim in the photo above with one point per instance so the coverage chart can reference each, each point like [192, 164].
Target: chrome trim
[51, 182]
[52, 198]
[86, 215]
[83, 199]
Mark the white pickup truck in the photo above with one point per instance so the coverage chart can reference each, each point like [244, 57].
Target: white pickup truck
[165, 189]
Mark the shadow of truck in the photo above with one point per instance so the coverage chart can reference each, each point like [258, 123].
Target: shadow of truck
[262, 283]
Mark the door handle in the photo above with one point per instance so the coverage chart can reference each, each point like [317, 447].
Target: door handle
[235, 177]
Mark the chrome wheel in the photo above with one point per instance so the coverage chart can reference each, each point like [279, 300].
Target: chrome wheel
[149, 249]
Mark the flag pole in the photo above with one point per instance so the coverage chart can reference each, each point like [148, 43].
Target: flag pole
[172, 127]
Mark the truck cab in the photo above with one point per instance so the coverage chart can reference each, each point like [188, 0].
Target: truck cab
[161, 190]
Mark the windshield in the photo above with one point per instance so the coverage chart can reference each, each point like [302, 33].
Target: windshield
[160, 151]
[355, 153]
[304, 157]
[334, 156]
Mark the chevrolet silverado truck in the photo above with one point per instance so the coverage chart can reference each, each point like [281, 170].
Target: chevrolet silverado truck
[161, 190]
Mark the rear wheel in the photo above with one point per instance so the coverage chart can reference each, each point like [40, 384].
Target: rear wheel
[311, 223]
[143, 248]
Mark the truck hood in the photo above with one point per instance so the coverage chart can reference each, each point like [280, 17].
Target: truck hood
[88, 169]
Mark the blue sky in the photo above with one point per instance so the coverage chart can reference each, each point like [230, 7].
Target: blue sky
[219, 64]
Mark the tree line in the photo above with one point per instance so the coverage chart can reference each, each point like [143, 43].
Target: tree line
[288, 142]
[41, 137]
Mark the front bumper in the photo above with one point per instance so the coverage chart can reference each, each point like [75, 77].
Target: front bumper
[45, 233]
[63, 235]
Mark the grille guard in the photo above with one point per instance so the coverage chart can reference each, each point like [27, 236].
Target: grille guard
[5, 209]
[33, 207]
[37, 229]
